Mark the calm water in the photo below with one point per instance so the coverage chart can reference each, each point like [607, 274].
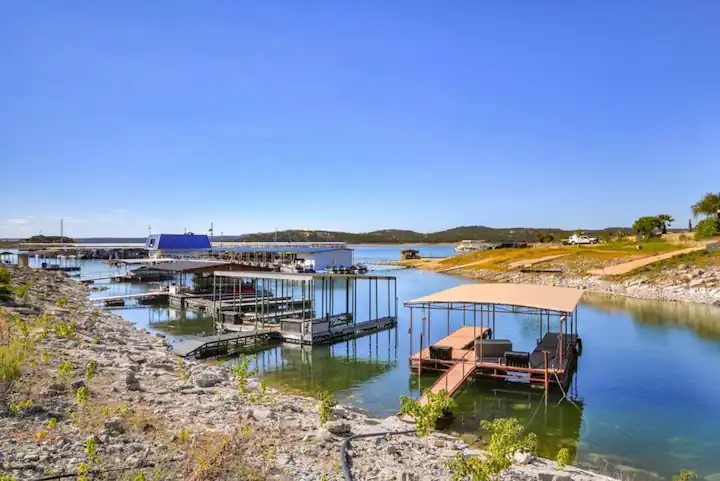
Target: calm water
[647, 387]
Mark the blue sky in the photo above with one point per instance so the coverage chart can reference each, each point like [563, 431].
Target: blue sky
[354, 115]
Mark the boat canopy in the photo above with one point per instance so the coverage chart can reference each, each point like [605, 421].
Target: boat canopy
[559, 299]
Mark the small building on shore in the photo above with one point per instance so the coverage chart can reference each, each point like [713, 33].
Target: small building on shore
[177, 245]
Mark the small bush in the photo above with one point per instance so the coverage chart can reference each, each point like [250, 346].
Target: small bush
[506, 439]
[327, 402]
[241, 370]
[183, 436]
[61, 301]
[82, 395]
[563, 458]
[707, 228]
[685, 475]
[22, 292]
[426, 415]
[65, 329]
[90, 369]
[19, 406]
[65, 368]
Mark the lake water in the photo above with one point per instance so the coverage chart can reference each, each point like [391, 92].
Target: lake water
[647, 387]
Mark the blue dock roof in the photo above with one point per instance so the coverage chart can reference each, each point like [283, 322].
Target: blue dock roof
[177, 242]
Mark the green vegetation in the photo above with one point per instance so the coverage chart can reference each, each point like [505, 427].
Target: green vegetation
[709, 205]
[563, 458]
[685, 475]
[708, 227]
[241, 370]
[426, 415]
[327, 402]
[82, 395]
[65, 368]
[20, 406]
[90, 369]
[506, 439]
[49, 239]
[6, 291]
[65, 329]
[22, 292]
[183, 436]
[649, 226]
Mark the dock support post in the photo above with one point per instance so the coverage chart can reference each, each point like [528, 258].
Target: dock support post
[547, 379]
[410, 331]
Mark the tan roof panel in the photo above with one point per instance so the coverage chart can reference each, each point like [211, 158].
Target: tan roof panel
[562, 299]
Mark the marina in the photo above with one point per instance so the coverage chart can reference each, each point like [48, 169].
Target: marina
[371, 370]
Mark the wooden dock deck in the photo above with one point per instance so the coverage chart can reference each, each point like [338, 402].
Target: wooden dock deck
[460, 341]
[452, 379]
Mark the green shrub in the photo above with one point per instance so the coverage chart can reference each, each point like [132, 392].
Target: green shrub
[707, 228]
[563, 458]
[241, 370]
[65, 329]
[327, 402]
[506, 439]
[90, 369]
[12, 356]
[82, 395]
[426, 415]
[22, 292]
[5, 277]
[685, 475]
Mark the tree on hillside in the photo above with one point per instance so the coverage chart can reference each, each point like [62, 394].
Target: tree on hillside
[709, 205]
[647, 226]
[664, 220]
[689, 225]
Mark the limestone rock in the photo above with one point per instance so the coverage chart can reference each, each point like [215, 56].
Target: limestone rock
[550, 476]
[522, 458]
[131, 382]
[338, 428]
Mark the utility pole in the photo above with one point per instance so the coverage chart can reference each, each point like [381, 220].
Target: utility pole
[61, 231]
[211, 230]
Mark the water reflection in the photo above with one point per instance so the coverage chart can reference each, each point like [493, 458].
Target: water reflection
[701, 318]
[340, 368]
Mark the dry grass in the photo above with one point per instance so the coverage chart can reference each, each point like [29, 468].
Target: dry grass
[574, 258]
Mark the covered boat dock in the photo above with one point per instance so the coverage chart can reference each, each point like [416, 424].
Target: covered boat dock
[474, 351]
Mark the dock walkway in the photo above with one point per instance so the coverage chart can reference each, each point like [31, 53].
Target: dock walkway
[224, 343]
[452, 379]
[140, 295]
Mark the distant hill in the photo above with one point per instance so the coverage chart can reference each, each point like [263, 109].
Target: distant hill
[394, 236]
[49, 239]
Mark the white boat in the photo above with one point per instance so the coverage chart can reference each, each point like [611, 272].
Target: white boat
[470, 245]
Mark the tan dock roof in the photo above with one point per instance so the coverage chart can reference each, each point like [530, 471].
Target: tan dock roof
[561, 299]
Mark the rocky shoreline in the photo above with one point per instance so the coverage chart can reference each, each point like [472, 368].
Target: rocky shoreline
[681, 284]
[142, 414]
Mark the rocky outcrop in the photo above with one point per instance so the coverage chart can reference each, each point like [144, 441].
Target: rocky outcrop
[671, 284]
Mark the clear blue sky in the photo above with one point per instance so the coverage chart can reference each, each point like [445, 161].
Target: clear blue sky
[354, 115]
